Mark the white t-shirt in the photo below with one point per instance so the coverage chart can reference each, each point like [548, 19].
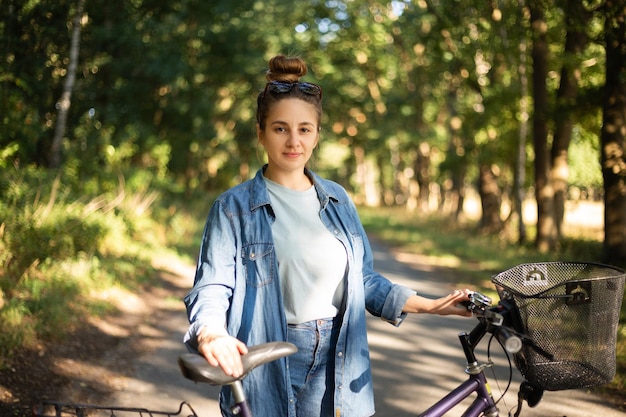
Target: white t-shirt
[311, 261]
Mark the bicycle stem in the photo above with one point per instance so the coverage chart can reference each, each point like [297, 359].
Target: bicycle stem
[470, 340]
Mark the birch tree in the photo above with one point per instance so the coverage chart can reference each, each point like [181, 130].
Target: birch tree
[63, 105]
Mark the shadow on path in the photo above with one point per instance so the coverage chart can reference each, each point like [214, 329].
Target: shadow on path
[413, 365]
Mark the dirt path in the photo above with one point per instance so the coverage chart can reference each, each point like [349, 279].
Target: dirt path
[102, 358]
[413, 365]
[130, 360]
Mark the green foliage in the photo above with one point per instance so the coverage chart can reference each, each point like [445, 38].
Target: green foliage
[17, 328]
[454, 245]
[54, 296]
[443, 74]
[40, 225]
[584, 161]
[57, 236]
[59, 248]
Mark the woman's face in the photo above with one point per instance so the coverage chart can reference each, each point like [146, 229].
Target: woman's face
[290, 135]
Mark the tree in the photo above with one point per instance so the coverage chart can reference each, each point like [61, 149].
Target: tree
[422, 92]
[613, 137]
[576, 19]
[491, 201]
[544, 193]
[34, 44]
[519, 176]
[63, 105]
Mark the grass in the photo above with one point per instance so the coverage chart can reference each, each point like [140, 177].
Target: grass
[476, 257]
[61, 251]
[449, 243]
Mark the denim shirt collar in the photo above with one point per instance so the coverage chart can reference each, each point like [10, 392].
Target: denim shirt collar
[260, 197]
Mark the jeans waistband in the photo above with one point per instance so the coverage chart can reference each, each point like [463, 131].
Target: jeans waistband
[326, 323]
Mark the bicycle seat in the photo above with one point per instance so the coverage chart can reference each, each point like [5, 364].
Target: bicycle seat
[196, 368]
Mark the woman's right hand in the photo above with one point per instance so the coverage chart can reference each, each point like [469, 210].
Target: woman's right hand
[222, 350]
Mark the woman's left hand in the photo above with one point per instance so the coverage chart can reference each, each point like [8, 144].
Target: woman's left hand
[444, 306]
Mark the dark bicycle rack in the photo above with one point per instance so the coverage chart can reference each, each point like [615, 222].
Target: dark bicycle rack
[57, 409]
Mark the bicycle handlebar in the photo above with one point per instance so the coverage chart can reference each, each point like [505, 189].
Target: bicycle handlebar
[512, 343]
[497, 320]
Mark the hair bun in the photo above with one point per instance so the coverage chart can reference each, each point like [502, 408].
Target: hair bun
[285, 69]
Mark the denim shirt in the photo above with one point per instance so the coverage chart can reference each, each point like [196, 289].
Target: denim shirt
[237, 283]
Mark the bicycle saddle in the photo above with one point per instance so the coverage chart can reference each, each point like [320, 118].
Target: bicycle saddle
[196, 368]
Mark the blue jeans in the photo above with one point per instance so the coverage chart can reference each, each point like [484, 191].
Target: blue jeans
[312, 367]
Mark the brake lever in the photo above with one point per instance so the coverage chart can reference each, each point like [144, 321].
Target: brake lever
[477, 303]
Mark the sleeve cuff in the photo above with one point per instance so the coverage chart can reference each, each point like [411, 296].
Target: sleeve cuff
[396, 299]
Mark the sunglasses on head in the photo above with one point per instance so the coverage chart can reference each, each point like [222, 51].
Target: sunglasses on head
[284, 87]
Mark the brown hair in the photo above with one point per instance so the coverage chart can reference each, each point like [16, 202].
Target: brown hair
[284, 70]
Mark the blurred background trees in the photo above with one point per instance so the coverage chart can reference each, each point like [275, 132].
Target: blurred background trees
[425, 100]
[120, 121]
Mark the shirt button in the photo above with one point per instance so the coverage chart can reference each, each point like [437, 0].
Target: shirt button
[252, 255]
[340, 354]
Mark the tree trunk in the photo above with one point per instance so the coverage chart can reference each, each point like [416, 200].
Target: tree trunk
[383, 191]
[613, 135]
[398, 190]
[456, 156]
[576, 20]
[546, 230]
[63, 105]
[458, 190]
[362, 177]
[422, 175]
[520, 171]
[490, 198]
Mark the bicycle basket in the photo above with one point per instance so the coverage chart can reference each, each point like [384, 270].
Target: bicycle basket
[570, 310]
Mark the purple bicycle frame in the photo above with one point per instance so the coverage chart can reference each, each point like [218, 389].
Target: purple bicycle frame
[477, 382]
[483, 403]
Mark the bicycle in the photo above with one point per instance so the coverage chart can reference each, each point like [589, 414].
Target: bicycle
[547, 318]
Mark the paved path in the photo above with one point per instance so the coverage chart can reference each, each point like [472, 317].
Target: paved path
[413, 365]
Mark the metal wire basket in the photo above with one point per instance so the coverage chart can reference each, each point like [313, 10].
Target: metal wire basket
[570, 310]
[59, 409]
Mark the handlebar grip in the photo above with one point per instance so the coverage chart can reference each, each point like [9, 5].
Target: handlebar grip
[511, 342]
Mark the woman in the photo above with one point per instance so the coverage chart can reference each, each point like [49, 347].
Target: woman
[284, 257]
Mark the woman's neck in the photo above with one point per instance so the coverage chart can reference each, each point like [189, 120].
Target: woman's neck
[296, 180]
